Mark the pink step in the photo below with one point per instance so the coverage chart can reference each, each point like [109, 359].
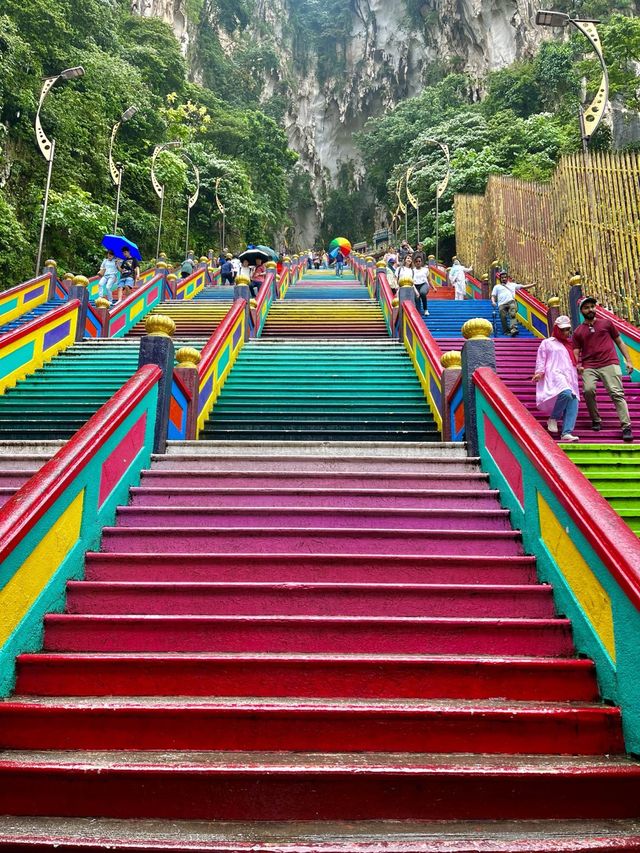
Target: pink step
[317, 464]
[338, 725]
[302, 786]
[293, 498]
[210, 599]
[323, 540]
[340, 635]
[172, 518]
[330, 567]
[373, 676]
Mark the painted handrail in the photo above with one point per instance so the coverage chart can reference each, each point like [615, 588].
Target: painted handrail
[28, 347]
[437, 275]
[474, 287]
[17, 300]
[116, 322]
[189, 287]
[630, 336]
[218, 357]
[46, 527]
[583, 547]
[532, 313]
[264, 302]
[385, 297]
[425, 355]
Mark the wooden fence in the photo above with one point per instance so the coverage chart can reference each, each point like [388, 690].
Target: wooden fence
[586, 219]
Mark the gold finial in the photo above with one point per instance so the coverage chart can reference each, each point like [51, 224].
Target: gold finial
[51, 263]
[485, 276]
[451, 359]
[369, 259]
[575, 279]
[271, 265]
[162, 256]
[381, 265]
[395, 302]
[172, 277]
[188, 357]
[495, 263]
[159, 326]
[81, 281]
[101, 302]
[477, 329]
[431, 258]
[405, 280]
[243, 278]
[162, 265]
[296, 257]
[69, 276]
[204, 259]
[253, 303]
[553, 301]
[287, 259]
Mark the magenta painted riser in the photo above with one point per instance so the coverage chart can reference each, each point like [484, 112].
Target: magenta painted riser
[513, 678]
[308, 634]
[322, 540]
[354, 568]
[346, 726]
[194, 478]
[316, 465]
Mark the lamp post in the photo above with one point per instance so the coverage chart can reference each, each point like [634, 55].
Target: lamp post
[591, 116]
[191, 200]
[223, 211]
[441, 187]
[116, 169]
[402, 207]
[158, 187]
[48, 146]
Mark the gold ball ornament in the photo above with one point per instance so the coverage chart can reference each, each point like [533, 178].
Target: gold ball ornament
[159, 325]
[553, 301]
[188, 357]
[51, 263]
[477, 329]
[451, 359]
[271, 265]
[80, 280]
[243, 278]
[101, 302]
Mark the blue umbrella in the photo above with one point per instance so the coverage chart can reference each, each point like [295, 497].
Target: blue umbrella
[114, 243]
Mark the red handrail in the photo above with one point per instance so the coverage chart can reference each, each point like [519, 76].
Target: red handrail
[425, 337]
[214, 344]
[611, 539]
[135, 294]
[34, 325]
[18, 288]
[38, 494]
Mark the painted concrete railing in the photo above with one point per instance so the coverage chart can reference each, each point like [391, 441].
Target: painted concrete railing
[475, 288]
[532, 313]
[264, 302]
[47, 526]
[24, 297]
[385, 298]
[630, 336]
[192, 285]
[437, 275]
[115, 322]
[425, 355]
[195, 389]
[583, 548]
[30, 346]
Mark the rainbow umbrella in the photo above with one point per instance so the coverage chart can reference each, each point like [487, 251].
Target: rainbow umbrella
[340, 243]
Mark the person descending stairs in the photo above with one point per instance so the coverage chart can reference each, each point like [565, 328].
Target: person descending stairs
[311, 645]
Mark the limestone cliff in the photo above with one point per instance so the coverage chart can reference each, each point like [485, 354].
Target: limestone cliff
[388, 54]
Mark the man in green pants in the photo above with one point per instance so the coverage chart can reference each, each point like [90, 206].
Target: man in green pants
[594, 343]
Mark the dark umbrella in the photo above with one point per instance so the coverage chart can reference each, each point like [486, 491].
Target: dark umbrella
[258, 253]
[114, 243]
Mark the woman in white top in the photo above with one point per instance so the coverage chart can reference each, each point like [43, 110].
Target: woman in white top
[421, 285]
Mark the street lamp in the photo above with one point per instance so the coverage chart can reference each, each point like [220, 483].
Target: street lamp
[116, 169]
[158, 187]
[48, 146]
[402, 207]
[441, 187]
[590, 117]
[191, 200]
[223, 211]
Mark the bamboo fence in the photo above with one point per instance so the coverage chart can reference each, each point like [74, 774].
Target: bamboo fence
[586, 220]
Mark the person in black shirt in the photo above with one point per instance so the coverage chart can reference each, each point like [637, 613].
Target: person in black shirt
[129, 272]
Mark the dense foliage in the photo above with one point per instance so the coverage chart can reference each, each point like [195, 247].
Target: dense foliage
[527, 119]
[128, 60]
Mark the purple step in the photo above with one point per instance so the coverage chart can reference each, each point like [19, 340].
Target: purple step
[299, 568]
[317, 464]
[90, 597]
[307, 518]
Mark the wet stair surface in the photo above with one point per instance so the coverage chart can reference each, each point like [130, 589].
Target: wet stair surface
[28, 316]
[195, 318]
[279, 632]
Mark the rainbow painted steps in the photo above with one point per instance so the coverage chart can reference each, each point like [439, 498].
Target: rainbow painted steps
[446, 318]
[28, 316]
[364, 642]
[196, 318]
[354, 390]
[20, 460]
[614, 470]
[337, 318]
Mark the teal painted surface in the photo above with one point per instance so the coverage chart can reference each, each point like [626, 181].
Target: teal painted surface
[620, 681]
[223, 361]
[8, 305]
[14, 360]
[148, 305]
[27, 636]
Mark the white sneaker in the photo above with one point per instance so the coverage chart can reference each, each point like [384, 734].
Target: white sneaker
[567, 436]
[552, 425]
[426, 313]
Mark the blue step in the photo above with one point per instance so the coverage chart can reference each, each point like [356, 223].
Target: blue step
[446, 317]
[30, 315]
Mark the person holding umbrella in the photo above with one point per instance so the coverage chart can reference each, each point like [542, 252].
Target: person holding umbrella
[129, 272]
[124, 249]
[108, 273]
[257, 255]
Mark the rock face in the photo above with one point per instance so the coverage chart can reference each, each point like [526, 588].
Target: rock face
[389, 52]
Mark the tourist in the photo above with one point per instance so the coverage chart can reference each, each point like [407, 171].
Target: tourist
[339, 263]
[237, 266]
[222, 256]
[129, 272]
[187, 267]
[391, 258]
[404, 250]
[257, 279]
[421, 283]
[556, 379]
[420, 253]
[503, 296]
[458, 278]
[109, 276]
[405, 270]
[595, 341]
[227, 274]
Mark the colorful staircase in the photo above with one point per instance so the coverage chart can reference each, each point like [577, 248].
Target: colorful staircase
[334, 639]
[197, 318]
[28, 316]
[446, 317]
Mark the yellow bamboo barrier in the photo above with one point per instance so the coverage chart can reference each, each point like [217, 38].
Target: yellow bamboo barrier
[586, 219]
